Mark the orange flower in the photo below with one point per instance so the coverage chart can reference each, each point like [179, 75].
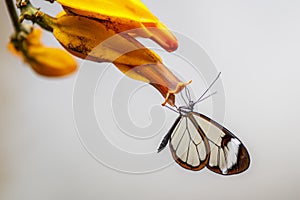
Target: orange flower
[89, 39]
[43, 60]
[131, 16]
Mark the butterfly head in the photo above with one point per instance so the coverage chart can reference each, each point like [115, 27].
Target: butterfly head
[189, 103]
[184, 110]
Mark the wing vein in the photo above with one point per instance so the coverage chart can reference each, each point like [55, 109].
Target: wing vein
[181, 138]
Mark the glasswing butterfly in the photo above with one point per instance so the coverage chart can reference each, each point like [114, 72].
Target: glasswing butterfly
[196, 141]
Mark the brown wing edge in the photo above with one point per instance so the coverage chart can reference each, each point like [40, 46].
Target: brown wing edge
[184, 164]
[243, 156]
[241, 166]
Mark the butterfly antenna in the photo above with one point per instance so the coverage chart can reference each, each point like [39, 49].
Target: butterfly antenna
[208, 96]
[183, 98]
[212, 83]
[187, 94]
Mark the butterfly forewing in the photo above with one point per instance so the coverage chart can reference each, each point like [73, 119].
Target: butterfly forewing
[227, 153]
[187, 146]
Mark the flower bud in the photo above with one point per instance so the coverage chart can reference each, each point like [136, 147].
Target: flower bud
[45, 61]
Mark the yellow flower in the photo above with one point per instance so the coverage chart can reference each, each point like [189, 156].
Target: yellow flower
[43, 60]
[131, 16]
[89, 39]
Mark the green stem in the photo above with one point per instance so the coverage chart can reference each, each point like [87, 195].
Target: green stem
[29, 12]
[13, 15]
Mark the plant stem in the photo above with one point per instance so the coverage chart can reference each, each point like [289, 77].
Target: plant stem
[29, 12]
[13, 15]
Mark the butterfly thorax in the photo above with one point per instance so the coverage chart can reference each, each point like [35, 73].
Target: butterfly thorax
[185, 110]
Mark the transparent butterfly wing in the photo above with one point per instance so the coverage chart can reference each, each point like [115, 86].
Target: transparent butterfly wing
[198, 141]
[187, 146]
[228, 155]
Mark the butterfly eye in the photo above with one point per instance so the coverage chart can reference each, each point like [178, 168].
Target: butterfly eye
[191, 104]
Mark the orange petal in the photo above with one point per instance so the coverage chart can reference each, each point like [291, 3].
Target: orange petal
[51, 61]
[159, 76]
[130, 16]
[44, 60]
[162, 36]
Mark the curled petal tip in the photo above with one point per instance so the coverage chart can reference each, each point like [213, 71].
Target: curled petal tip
[170, 96]
[163, 36]
[168, 45]
[179, 87]
[170, 99]
[172, 46]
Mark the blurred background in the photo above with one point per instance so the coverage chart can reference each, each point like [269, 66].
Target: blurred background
[255, 44]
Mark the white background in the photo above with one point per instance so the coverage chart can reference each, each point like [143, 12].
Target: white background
[256, 45]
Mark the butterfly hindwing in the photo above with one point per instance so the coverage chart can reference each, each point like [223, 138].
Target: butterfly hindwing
[227, 153]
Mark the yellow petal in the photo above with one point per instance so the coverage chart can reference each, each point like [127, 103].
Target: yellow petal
[51, 61]
[159, 76]
[129, 9]
[13, 50]
[90, 39]
[44, 60]
[131, 16]
[162, 36]
[34, 38]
